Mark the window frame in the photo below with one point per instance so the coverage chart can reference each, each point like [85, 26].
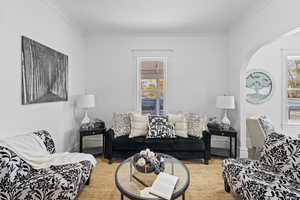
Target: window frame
[286, 122]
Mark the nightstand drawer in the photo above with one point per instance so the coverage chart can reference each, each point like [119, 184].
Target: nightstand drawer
[91, 132]
[231, 134]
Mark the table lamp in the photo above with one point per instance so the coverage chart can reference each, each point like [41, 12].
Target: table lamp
[226, 103]
[85, 102]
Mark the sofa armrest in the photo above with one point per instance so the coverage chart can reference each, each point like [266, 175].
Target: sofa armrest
[207, 142]
[12, 168]
[109, 136]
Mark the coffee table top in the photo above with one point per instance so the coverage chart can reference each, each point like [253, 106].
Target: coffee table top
[131, 188]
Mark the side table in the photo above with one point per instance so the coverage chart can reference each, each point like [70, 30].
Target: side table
[95, 151]
[231, 133]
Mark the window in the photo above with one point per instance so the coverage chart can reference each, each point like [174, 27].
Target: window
[151, 85]
[293, 87]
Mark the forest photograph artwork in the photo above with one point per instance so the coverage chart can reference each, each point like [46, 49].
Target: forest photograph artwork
[44, 73]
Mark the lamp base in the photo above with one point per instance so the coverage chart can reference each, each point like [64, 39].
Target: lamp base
[225, 119]
[86, 119]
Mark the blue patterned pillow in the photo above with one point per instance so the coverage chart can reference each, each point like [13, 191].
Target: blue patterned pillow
[159, 127]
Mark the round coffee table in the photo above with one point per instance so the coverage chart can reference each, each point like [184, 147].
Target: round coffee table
[131, 182]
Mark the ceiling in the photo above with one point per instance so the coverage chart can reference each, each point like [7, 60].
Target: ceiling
[155, 16]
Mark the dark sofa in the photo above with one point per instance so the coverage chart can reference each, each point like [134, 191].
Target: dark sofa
[181, 148]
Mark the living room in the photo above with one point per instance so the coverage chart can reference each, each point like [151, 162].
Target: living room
[187, 65]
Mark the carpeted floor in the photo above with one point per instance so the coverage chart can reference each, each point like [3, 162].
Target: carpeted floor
[206, 182]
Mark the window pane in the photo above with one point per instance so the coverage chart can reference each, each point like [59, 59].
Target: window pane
[148, 84]
[294, 108]
[293, 88]
[152, 87]
[149, 105]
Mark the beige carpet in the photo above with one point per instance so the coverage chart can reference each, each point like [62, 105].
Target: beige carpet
[206, 182]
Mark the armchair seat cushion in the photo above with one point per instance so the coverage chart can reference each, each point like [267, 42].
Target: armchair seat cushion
[57, 182]
[251, 180]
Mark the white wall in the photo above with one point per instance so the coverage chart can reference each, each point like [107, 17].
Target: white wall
[197, 74]
[269, 59]
[271, 20]
[42, 22]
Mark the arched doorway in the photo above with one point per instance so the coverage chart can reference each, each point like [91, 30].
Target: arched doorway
[259, 60]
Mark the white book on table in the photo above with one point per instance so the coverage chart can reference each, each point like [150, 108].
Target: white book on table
[164, 185]
[145, 193]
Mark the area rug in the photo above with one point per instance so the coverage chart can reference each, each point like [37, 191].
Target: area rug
[206, 182]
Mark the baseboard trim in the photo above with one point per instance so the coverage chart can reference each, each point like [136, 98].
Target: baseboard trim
[243, 152]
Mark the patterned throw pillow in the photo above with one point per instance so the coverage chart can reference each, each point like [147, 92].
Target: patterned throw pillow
[159, 127]
[282, 154]
[266, 124]
[121, 124]
[47, 139]
[274, 154]
[196, 124]
[291, 169]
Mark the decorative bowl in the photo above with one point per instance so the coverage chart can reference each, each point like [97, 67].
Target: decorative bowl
[149, 167]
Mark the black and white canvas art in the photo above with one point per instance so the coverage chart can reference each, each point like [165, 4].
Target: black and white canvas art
[44, 73]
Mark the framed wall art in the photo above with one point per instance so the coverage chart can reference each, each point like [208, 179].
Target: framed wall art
[259, 86]
[44, 73]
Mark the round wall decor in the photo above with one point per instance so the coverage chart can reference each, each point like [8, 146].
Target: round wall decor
[259, 86]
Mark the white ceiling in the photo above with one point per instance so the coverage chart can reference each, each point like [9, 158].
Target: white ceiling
[155, 16]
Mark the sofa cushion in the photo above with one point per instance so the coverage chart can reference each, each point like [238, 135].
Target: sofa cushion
[139, 125]
[250, 180]
[121, 124]
[124, 143]
[191, 144]
[159, 127]
[181, 126]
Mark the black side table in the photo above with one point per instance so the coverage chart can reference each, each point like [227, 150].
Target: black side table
[95, 151]
[231, 133]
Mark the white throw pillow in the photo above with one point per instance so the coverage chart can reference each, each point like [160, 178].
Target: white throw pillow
[139, 125]
[181, 125]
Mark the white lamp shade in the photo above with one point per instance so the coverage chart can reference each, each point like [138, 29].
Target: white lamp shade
[86, 101]
[225, 102]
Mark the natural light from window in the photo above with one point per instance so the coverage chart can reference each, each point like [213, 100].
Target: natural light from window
[293, 88]
[152, 86]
